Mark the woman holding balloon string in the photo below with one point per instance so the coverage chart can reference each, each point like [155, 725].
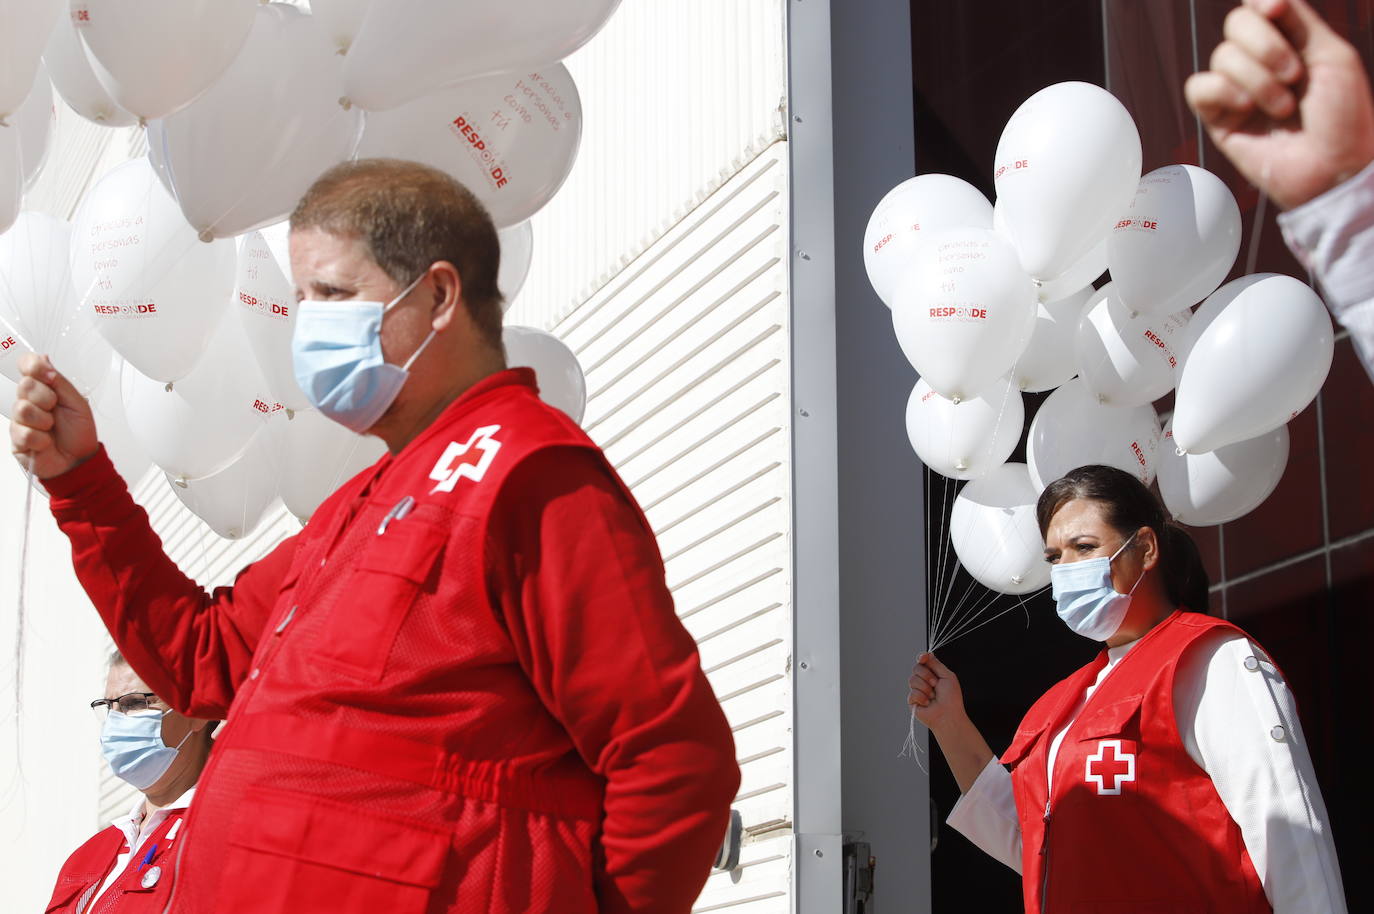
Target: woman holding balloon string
[1171, 771]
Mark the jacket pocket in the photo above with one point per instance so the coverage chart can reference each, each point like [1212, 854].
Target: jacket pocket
[374, 602]
[1021, 745]
[1120, 718]
[297, 853]
[67, 893]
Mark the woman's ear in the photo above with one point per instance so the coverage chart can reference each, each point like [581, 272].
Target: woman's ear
[1149, 545]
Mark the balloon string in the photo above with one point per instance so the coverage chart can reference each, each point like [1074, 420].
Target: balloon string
[1257, 227]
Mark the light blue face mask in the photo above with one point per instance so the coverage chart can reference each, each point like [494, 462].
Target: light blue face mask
[1085, 598]
[132, 744]
[336, 352]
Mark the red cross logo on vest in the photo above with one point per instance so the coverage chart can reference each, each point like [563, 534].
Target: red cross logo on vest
[1110, 767]
[468, 460]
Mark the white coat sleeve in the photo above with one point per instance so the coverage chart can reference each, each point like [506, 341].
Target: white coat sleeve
[986, 815]
[1239, 722]
[1333, 237]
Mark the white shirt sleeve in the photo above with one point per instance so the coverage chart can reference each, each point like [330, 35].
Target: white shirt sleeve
[1333, 236]
[986, 815]
[1239, 722]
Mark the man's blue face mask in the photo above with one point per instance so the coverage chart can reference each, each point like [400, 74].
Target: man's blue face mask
[132, 744]
[336, 353]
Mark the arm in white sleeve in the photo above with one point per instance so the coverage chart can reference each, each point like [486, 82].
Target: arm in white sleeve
[1333, 236]
[986, 815]
[1238, 720]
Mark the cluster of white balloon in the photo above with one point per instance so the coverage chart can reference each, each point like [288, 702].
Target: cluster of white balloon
[989, 301]
[169, 301]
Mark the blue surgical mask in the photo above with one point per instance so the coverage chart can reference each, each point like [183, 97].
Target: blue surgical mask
[1086, 599]
[132, 744]
[336, 351]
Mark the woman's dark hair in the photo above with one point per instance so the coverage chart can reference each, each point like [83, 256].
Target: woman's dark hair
[1130, 506]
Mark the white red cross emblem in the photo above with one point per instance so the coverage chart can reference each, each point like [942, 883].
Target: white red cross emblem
[469, 460]
[1110, 767]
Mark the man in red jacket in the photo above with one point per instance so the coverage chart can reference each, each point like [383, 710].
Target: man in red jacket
[462, 687]
[128, 866]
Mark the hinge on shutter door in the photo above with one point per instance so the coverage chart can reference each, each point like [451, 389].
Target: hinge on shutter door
[727, 858]
[859, 864]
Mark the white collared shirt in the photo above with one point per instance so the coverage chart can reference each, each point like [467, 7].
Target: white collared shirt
[137, 827]
[1239, 722]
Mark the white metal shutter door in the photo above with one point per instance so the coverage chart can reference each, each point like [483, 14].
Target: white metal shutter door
[686, 356]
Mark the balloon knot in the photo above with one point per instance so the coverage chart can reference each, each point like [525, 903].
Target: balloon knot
[143, 122]
[956, 400]
[207, 236]
[169, 387]
[346, 103]
[4, 121]
[290, 414]
[961, 464]
[1181, 451]
[1017, 579]
[180, 482]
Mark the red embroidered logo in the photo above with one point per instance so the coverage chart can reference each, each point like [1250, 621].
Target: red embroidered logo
[1110, 767]
[469, 460]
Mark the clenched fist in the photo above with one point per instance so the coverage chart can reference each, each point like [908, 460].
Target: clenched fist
[53, 428]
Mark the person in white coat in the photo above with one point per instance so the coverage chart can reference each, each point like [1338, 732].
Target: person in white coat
[1288, 101]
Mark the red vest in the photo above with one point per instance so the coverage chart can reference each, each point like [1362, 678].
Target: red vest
[87, 867]
[388, 719]
[1131, 819]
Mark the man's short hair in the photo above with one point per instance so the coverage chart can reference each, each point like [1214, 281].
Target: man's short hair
[410, 216]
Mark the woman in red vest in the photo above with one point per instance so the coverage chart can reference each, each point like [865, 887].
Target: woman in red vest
[1168, 775]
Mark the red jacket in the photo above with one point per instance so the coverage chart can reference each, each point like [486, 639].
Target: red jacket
[1132, 821]
[462, 687]
[144, 886]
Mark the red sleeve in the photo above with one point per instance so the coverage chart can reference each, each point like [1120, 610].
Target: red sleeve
[192, 648]
[579, 582]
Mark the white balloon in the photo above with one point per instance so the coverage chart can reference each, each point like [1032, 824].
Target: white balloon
[340, 20]
[964, 312]
[1076, 278]
[155, 57]
[510, 138]
[35, 122]
[112, 426]
[234, 501]
[967, 439]
[561, 382]
[1127, 359]
[517, 252]
[909, 213]
[11, 176]
[205, 421]
[26, 27]
[1221, 485]
[70, 70]
[1048, 360]
[408, 48]
[995, 533]
[267, 307]
[245, 152]
[1176, 242]
[40, 307]
[314, 456]
[1068, 161]
[1255, 354]
[156, 292]
[1072, 429]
